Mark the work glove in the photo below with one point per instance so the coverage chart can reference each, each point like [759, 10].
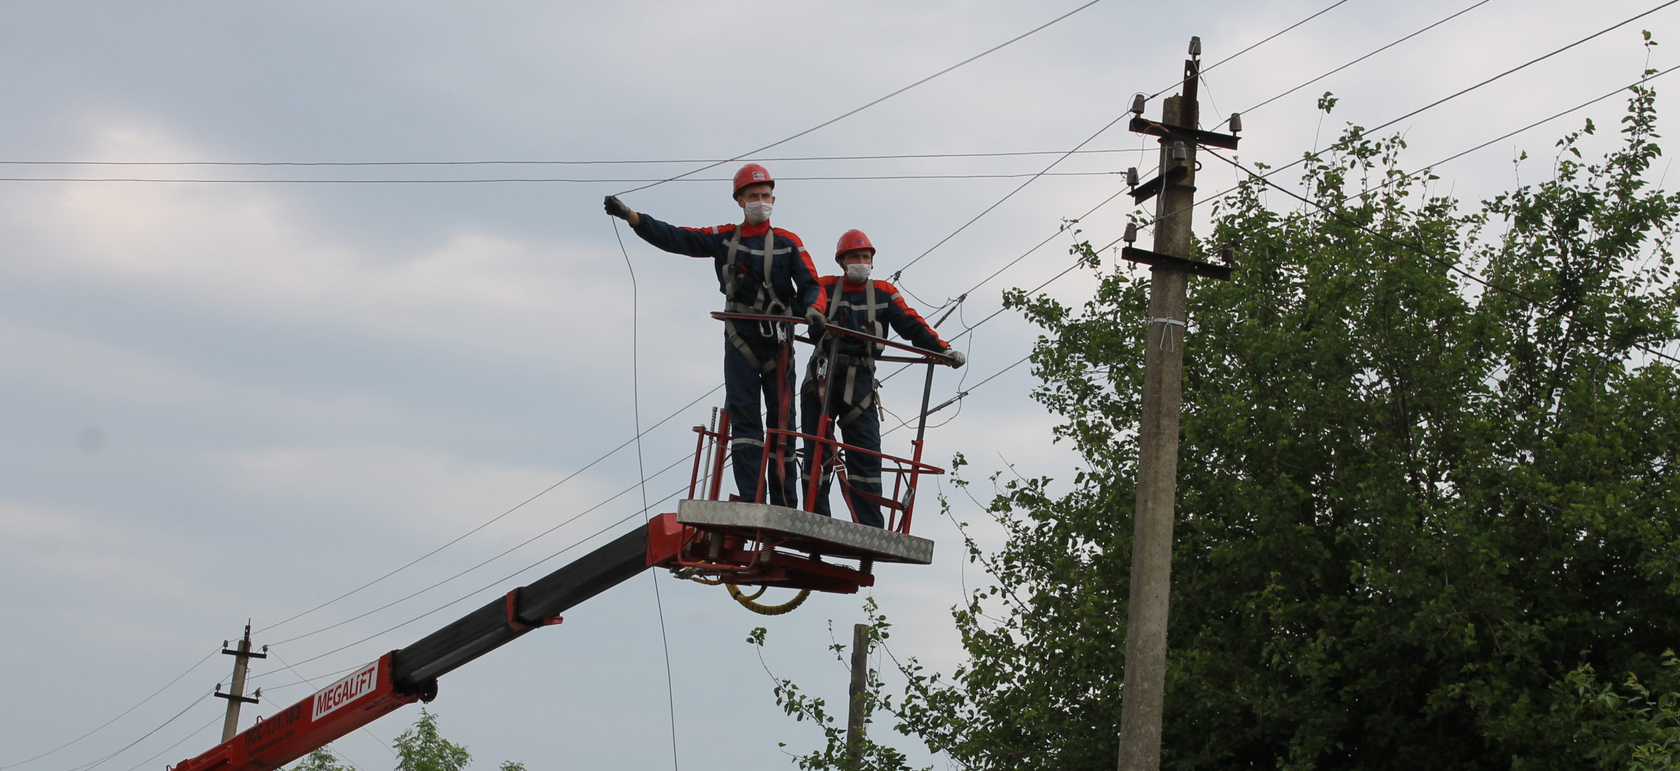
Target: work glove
[957, 358]
[617, 208]
[816, 320]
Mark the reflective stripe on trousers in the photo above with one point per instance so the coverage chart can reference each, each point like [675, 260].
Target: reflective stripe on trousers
[744, 385]
[862, 430]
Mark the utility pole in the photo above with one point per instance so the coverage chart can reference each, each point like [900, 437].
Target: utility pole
[860, 682]
[1171, 265]
[236, 696]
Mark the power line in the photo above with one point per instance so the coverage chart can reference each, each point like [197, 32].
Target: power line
[509, 577]
[620, 162]
[1264, 41]
[364, 729]
[495, 519]
[857, 110]
[1533, 61]
[1436, 103]
[1420, 251]
[1552, 117]
[542, 180]
[1078, 147]
[641, 470]
[159, 753]
[1264, 178]
[639, 434]
[481, 564]
[1011, 194]
[147, 735]
[125, 712]
[1468, 9]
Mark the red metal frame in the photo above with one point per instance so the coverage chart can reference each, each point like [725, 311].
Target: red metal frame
[752, 557]
[354, 701]
[746, 558]
[906, 467]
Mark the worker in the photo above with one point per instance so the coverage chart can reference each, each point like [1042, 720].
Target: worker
[761, 270]
[844, 368]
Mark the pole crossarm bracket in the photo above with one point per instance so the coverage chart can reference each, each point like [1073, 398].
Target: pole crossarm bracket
[1154, 186]
[236, 697]
[1169, 262]
[1144, 125]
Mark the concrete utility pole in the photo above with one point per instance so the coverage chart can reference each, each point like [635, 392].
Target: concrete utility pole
[1172, 264]
[236, 696]
[860, 682]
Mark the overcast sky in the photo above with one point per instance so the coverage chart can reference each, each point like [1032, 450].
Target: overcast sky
[235, 400]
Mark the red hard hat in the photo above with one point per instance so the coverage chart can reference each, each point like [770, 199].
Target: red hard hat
[851, 241]
[752, 174]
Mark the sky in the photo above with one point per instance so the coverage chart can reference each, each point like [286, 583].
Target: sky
[238, 392]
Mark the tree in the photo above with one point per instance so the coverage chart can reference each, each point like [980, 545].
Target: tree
[321, 759]
[422, 748]
[1429, 488]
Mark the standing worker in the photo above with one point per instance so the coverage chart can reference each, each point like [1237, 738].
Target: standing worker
[857, 303]
[761, 270]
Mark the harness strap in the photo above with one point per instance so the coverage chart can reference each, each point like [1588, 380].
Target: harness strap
[734, 337]
[734, 244]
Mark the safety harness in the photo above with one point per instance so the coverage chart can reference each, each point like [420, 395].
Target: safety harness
[853, 366]
[764, 301]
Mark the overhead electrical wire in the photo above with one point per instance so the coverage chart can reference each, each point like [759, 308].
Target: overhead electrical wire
[1011, 194]
[1263, 41]
[182, 740]
[1455, 15]
[101, 727]
[966, 331]
[857, 110]
[463, 598]
[641, 470]
[364, 729]
[539, 180]
[481, 564]
[1267, 39]
[1273, 171]
[496, 518]
[1418, 250]
[621, 162]
[877, 101]
[97, 763]
[1263, 177]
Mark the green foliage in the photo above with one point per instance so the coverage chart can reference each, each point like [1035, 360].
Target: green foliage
[422, 748]
[836, 753]
[321, 759]
[1417, 514]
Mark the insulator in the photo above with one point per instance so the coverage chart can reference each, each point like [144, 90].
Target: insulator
[1195, 46]
[1131, 177]
[1131, 233]
[1177, 152]
[1236, 122]
[1137, 104]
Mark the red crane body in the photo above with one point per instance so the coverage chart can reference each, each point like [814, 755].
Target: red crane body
[733, 542]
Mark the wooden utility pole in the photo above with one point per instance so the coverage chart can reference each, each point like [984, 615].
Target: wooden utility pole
[236, 696]
[1172, 263]
[860, 683]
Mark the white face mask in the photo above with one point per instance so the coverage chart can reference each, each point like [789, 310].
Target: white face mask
[858, 272]
[758, 212]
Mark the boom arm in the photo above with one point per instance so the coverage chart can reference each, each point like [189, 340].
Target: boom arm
[736, 542]
[410, 674]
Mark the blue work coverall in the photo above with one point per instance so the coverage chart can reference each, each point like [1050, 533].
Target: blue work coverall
[780, 283]
[870, 307]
